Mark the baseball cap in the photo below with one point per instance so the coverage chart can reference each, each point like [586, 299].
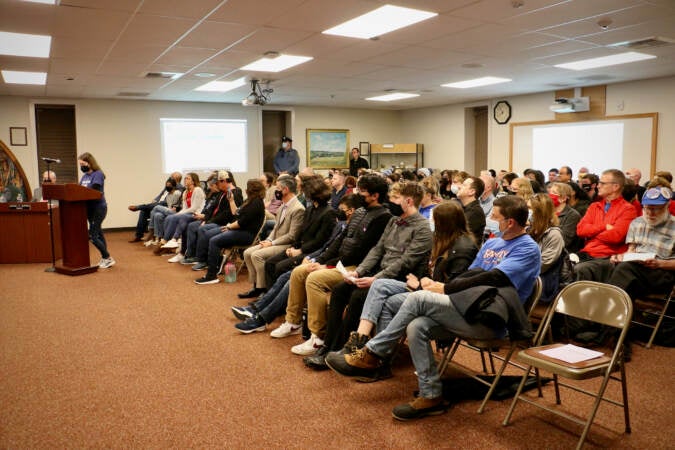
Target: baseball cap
[286, 139]
[657, 196]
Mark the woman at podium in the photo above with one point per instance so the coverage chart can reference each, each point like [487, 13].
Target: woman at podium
[94, 178]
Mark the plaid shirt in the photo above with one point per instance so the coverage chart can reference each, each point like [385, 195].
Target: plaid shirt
[648, 239]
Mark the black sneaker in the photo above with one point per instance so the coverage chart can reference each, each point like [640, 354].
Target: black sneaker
[251, 293]
[317, 361]
[206, 279]
[242, 312]
[420, 407]
[251, 325]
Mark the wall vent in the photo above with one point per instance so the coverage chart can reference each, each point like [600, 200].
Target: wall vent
[163, 75]
[650, 42]
[133, 94]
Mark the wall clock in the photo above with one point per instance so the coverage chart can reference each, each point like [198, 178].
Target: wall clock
[502, 112]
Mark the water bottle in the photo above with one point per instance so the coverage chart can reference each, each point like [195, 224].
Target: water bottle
[230, 273]
[19, 197]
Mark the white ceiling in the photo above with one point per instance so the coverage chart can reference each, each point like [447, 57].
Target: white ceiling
[102, 48]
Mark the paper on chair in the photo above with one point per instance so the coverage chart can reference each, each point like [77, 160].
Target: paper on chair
[341, 268]
[571, 353]
[638, 256]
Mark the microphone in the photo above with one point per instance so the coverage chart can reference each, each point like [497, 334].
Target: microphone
[51, 160]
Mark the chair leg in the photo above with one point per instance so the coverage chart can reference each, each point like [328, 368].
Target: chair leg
[596, 404]
[624, 391]
[507, 358]
[557, 389]
[516, 397]
[658, 322]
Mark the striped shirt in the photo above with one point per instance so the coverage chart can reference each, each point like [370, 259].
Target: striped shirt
[647, 239]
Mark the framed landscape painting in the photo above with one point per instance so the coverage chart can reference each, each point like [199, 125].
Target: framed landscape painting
[327, 149]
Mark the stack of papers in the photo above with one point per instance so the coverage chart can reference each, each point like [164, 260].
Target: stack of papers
[571, 353]
[638, 256]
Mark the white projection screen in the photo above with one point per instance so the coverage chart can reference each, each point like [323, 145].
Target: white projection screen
[619, 142]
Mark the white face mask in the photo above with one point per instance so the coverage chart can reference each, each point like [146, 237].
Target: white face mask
[454, 188]
[285, 145]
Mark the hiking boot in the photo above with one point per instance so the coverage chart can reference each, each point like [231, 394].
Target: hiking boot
[360, 363]
[317, 361]
[381, 373]
[420, 407]
[355, 342]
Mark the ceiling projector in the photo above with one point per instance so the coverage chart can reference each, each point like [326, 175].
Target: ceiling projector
[571, 105]
[258, 95]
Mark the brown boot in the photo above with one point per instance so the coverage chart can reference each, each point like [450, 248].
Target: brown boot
[361, 363]
[420, 407]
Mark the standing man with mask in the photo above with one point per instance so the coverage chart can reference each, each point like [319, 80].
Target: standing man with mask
[287, 159]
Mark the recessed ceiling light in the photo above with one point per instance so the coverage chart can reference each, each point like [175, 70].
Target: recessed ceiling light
[392, 97]
[380, 21]
[15, 77]
[276, 64]
[222, 86]
[205, 75]
[604, 61]
[19, 44]
[484, 81]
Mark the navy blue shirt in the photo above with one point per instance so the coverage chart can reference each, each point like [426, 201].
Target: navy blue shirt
[287, 161]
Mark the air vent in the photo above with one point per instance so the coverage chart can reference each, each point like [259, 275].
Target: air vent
[560, 85]
[164, 75]
[133, 94]
[596, 78]
[649, 42]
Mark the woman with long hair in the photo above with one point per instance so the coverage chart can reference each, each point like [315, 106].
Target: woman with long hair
[94, 178]
[568, 217]
[193, 202]
[545, 232]
[522, 187]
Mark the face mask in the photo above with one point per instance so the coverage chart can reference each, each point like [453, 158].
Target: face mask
[285, 145]
[278, 194]
[586, 187]
[84, 169]
[529, 215]
[169, 189]
[498, 233]
[555, 198]
[46, 181]
[395, 209]
[454, 188]
[341, 215]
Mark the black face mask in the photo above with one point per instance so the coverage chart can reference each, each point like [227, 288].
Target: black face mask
[46, 181]
[169, 189]
[395, 209]
[341, 215]
[586, 187]
[84, 169]
[278, 194]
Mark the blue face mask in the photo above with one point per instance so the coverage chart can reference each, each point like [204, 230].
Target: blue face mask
[498, 233]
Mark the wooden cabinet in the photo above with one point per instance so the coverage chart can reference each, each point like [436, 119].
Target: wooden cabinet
[25, 233]
[408, 156]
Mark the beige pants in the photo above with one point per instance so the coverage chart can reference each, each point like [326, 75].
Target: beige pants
[255, 258]
[313, 289]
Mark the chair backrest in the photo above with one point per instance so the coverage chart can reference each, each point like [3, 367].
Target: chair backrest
[597, 302]
[533, 300]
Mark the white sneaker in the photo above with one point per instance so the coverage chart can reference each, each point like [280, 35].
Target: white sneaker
[149, 242]
[309, 347]
[286, 329]
[178, 258]
[106, 263]
[171, 244]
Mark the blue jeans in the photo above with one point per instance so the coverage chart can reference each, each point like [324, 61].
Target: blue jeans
[425, 316]
[190, 238]
[95, 217]
[175, 224]
[384, 299]
[273, 303]
[225, 239]
[143, 216]
[204, 235]
[157, 217]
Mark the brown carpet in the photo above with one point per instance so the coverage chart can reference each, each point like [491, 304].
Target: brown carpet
[138, 356]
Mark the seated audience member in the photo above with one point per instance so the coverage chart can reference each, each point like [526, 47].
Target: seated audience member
[339, 187]
[273, 303]
[552, 176]
[199, 233]
[579, 200]
[311, 283]
[428, 203]
[171, 201]
[486, 198]
[663, 182]
[393, 199]
[288, 223]
[635, 175]
[467, 196]
[408, 175]
[522, 187]
[589, 183]
[545, 232]
[272, 204]
[356, 162]
[242, 231]
[510, 264]
[565, 174]
[212, 196]
[145, 209]
[193, 201]
[403, 249]
[568, 218]
[506, 181]
[422, 173]
[582, 171]
[453, 250]
[629, 193]
[49, 177]
[300, 181]
[537, 180]
[604, 226]
[317, 225]
[445, 188]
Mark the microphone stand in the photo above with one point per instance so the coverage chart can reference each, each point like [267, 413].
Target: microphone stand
[51, 228]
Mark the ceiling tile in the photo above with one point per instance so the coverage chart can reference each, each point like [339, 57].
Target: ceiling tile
[364, 50]
[122, 68]
[254, 13]
[483, 34]
[231, 58]
[186, 56]
[319, 45]
[135, 52]
[557, 48]
[320, 66]
[64, 47]
[72, 66]
[26, 17]
[439, 6]
[85, 23]
[156, 30]
[430, 29]
[65, 91]
[218, 35]
[497, 11]
[319, 15]
[271, 39]
[193, 9]
[114, 5]
[24, 64]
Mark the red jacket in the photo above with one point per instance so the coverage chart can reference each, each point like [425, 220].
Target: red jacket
[601, 242]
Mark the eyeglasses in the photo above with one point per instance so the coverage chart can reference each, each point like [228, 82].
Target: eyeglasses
[655, 192]
[607, 182]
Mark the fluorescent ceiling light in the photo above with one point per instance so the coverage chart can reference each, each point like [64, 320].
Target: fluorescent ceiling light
[604, 61]
[277, 64]
[485, 81]
[222, 86]
[14, 77]
[19, 44]
[46, 2]
[380, 21]
[393, 96]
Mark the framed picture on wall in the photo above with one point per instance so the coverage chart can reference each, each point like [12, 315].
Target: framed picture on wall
[18, 136]
[364, 148]
[327, 149]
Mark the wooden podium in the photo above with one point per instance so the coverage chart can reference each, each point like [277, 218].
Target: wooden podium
[74, 234]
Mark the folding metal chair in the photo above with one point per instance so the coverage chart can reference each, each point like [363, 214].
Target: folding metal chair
[489, 346]
[647, 309]
[595, 302]
[235, 253]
